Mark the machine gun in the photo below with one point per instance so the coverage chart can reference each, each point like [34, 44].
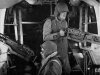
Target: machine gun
[17, 49]
[27, 54]
[79, 36]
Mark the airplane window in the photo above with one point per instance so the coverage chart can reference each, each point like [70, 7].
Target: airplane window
[92, 25]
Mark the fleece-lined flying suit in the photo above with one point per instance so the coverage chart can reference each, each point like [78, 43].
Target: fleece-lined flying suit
[51, 64]
[51, 29]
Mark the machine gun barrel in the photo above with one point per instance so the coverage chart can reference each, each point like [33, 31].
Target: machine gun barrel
[79, 36]
[18, 49]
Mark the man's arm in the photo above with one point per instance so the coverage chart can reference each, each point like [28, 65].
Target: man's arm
[47, 31]
[8, 3]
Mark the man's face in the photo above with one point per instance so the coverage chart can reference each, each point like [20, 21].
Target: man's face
[42, 53]
[62, 15]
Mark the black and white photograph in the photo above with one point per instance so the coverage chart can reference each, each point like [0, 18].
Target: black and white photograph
[49, 37]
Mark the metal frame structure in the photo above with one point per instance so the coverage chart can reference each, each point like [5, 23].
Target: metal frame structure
[89, 67]
[18, 23]
[83, 26]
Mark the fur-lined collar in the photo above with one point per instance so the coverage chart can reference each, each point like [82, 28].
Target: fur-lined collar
[47, 58]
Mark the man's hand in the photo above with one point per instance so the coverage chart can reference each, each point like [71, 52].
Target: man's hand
[62, 32]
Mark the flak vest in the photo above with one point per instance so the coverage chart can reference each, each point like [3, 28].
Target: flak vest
[62, 43]
[54, 59]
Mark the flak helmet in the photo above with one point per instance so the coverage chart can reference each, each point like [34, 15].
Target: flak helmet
[49, 47]
[60, 7]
